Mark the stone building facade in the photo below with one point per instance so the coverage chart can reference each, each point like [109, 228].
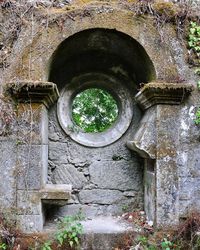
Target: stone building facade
[149, 159]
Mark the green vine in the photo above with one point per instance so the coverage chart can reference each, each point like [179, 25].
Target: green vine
[197, 115]
[194, 45]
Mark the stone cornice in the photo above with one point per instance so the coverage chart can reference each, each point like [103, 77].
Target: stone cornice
[154, 93]
[33, 92]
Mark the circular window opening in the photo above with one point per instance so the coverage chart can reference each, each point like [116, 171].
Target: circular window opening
[94, 110]
[93, 96]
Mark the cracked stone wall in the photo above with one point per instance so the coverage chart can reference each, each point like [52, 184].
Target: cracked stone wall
[107, 180]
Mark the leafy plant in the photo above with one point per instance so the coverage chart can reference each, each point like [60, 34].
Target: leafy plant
[194, 37]
[143, 243]
[194, 45]
[125, 208]
[47, 246]
[3, 246]
[69, 230]
[166, 244]
[197, 114]
[143, 240]
[198, 84]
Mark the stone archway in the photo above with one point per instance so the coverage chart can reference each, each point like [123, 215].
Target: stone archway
[106, 177]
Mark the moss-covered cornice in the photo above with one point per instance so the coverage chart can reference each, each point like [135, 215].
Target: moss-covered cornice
[32, 92]
[155, 93]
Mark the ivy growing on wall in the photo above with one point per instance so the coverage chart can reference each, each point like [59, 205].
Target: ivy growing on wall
[194, 45]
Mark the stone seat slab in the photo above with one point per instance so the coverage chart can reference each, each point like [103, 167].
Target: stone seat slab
[56, 194]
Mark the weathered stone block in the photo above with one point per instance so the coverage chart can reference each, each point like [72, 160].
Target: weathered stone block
[73, 153]
[188, 131]
[58, 152]
[100, 196]
[149, 192]
[126, 205]
[182, 163]
[89, 211]
[8, 175]
[28, 203]
[73, 199]
[119, 175]
[30, 223]
[102, 241]
[68, 174]
[186, 206]
[167, 192]
[167, 135]
[194, 160]
[92, 210]
[32, 124]
[32, 166]
[188, 187]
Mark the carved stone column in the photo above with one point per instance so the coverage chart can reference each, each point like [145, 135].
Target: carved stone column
[157, 141]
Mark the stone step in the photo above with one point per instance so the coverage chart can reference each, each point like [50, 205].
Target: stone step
[104, 233]
[107, 233]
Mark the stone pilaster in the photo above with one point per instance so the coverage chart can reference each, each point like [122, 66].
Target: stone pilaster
[157, 141]
[33, 100]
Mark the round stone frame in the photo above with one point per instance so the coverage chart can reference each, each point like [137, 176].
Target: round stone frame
[95, 80]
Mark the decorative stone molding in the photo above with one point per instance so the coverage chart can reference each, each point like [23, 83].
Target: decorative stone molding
[154, 93]
[33, 92]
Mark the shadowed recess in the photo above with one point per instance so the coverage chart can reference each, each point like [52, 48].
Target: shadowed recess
[104, 51]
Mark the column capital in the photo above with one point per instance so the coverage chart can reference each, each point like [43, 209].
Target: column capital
[155, 93]
[33, 92]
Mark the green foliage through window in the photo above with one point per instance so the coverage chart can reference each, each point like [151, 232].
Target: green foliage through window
[94, 110]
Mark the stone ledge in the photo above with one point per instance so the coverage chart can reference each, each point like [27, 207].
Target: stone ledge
[154, 93]
[33, 92]
[56, 194]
